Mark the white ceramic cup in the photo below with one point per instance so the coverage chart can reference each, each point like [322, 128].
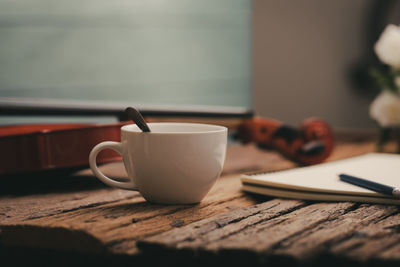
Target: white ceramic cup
[176, 163]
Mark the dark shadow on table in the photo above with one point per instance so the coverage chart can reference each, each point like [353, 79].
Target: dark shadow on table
[47, 182]
[40, 257]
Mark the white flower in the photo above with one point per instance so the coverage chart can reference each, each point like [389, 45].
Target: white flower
[385, 109]
[387, 47]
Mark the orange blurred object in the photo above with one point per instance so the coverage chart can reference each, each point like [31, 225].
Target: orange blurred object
[311, 143]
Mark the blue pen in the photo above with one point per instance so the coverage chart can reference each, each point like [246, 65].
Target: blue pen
[380, 188]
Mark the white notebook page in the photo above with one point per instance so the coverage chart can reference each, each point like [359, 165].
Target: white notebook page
[378, 167]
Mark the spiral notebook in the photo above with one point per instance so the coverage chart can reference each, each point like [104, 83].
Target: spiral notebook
[321, 182]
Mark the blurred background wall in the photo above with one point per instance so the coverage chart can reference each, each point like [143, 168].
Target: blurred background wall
[310, 56]
[286, 59]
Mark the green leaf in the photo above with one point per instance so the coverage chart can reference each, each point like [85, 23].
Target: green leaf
[385, 80]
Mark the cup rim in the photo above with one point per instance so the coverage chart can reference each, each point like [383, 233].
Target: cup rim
[133, 128]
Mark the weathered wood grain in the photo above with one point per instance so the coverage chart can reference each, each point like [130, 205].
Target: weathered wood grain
[391, 254]
[117, 225]
[29, 207]
[117, 218]
[302, 233]
[332, 235]
[370, 240]
[215, 228]
[258, 231]
[226, 222]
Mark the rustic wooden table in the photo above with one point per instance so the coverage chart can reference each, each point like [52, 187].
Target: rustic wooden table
[77, 219]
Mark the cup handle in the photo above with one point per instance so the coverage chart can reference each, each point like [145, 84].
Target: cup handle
[117, 147]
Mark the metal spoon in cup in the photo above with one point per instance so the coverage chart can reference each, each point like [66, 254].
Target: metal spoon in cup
[137, 118]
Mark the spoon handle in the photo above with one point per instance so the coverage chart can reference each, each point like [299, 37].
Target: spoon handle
[135, 115]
